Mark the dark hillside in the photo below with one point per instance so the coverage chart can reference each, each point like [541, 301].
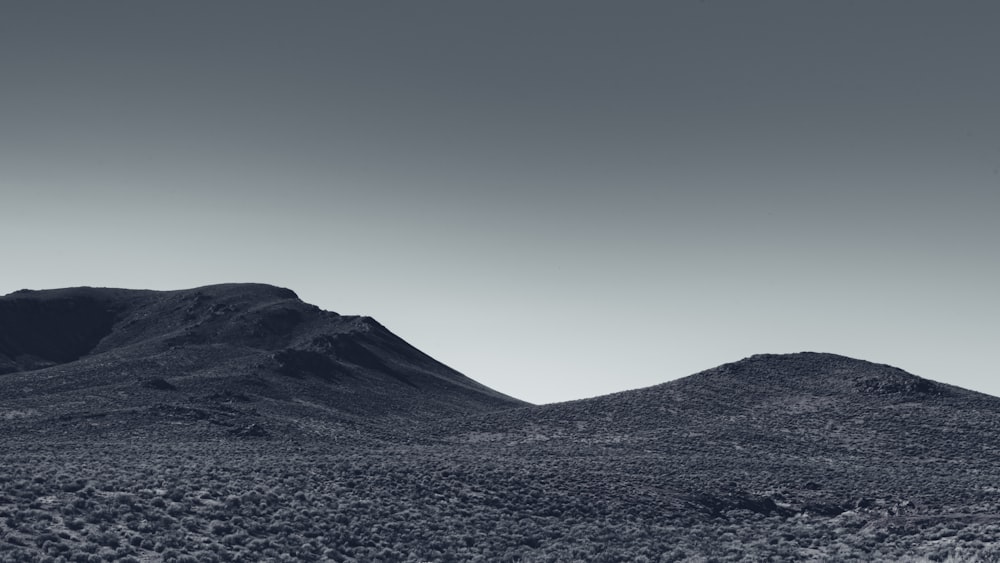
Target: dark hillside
[40, 329]
[215, 360]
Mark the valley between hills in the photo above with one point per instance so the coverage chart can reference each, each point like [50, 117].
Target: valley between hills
[237, 423]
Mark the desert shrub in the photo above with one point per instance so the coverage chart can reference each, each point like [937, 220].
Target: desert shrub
[176, 494]
[74, 523]
[89, 547]
[100, 514]
[125, 499]
[107, 539]
[45, 537]
[219, 528]
[72, 486]
[231, 540]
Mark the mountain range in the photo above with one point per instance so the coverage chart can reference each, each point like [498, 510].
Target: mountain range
[235, 422]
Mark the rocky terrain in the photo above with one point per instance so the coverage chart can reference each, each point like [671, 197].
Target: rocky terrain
[236, 423]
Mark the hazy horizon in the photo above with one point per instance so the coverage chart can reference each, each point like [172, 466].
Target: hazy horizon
[558, 199]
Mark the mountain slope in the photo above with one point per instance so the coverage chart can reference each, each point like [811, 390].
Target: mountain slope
[233, 358]
[808, 394]
[806, 435]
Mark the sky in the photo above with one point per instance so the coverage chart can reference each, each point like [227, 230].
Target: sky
[560, 199]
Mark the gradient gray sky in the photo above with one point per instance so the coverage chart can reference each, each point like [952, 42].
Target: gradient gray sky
[559, 199]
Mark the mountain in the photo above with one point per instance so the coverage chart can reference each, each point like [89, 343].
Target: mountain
[818, 447]
[237, 423]
[762, 393]
[233, 358]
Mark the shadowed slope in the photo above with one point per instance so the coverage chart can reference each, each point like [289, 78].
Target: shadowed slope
[39, 329]
[216, 359]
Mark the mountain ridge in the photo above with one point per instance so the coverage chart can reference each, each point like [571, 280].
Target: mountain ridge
[237, 422]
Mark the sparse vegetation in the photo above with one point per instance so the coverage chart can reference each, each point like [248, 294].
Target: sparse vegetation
[536, 501]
